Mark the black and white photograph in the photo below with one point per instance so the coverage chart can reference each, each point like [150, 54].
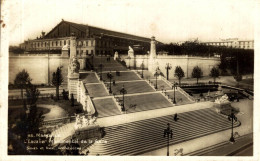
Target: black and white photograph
[99, 78]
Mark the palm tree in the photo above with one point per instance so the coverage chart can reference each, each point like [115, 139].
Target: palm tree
[179, 73]
[22, 80]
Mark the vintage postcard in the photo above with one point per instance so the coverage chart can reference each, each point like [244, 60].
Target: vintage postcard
[169, 78]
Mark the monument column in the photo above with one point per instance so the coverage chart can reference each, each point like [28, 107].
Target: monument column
[73, 69]
[152, 62]
[73, 45]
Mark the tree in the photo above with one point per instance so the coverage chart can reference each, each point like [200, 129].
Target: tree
[238, 78]
[28, 127]
[22, 80]
[214, 73]
[57, 79]
[179, 73]
[34, 117]
[223, 64]
[72, 100]
[197, 73]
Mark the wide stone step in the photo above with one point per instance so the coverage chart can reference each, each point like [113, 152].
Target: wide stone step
[141, 136]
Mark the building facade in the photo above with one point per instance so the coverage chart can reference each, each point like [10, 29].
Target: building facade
[234, 43]
[89, 40]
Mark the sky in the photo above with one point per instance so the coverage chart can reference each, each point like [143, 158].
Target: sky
[167, 20]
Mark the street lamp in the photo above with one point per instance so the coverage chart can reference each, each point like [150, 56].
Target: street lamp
[92, 58]
[168, 67]
[232, 117]
[157, 73]
[168, 132]
[123, 91]
[142, 67]
[101, 67]
[110, 76]
[174, 86]
[48, 43]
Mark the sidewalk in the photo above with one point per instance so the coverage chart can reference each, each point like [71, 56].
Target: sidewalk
[231, 149]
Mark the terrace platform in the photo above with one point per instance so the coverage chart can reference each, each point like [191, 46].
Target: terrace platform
[106, 107]
[131, 87]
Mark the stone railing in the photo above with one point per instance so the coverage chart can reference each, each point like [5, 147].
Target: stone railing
[90, 105]
[62, 120]
[84, 98]
[118, 104]
[186, 94]
[199, 84]
[166, 81]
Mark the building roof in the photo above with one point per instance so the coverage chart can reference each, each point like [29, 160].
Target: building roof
[83, 28]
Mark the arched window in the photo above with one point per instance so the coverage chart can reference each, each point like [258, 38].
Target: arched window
[64, 42]
[56, 43]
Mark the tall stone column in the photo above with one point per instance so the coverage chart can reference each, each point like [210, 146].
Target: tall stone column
[153, 48]
[152, 62]
[73, 69]
[73, 45]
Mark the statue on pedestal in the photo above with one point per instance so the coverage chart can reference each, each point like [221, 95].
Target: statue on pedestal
[74, 65]
[82, 121]
[221, 100]
[130, 52]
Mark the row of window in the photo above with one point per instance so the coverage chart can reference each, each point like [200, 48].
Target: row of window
[50, 43]
[86, 43]
[80, 52]
[230, 43]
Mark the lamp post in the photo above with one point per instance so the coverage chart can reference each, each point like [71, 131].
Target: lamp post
[168, 132]
[168, 67]
[110, 76]
[157, 73]
[142, 67]
[123, 91]
[174, 86]
[92, 58]
[48, 43]
[101, 67]
[232, 117]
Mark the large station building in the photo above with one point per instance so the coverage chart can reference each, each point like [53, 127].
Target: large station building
[89, 40]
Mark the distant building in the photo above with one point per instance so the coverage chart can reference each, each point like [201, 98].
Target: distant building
[89, 40]
[234, 43]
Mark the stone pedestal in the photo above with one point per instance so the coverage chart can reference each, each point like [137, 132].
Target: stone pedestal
[65, 51]
[130, 52]
[73, 80]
